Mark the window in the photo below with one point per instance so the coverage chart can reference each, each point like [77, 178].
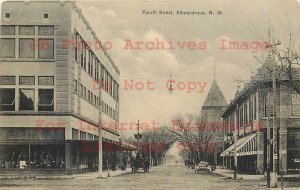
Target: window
[255, 106]
[46, 48]
[46, 15]
[84, 92]
[75, 86]
[26, 48]
[44, 80]
[81, 90]
[295, 104]
[46, 30]
[26, 99]
[75, 134]
[82, 135]
[92, 98]
[8, 30]
[84, 46]
[76, 46]
[7, 15]
[7, 80]
[26, 30]
[26, 80]
[81, 52]
[7, 99]
[7, 48]
[268, 107]
[46, 100]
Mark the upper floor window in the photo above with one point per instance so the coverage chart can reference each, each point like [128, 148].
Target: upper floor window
[46, 15]
[26, 48]
[26, 99]
[8, 30]
[7, 47]
[46, 80]
[7, 99]
[254, 107]
[7, 15]
[46, 100]
[26, 80]
[26, 30]
[46, 48]
[295, 104]
[7, 80]
[46, 30]
[268, 105]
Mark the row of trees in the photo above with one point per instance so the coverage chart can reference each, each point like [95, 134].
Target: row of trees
[156, 142]
[199, 140]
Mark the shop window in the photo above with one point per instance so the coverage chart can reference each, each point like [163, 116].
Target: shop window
[26, 99]
[9, 50]
[26, 48]
[7, 99]
[46, 48]
[46, 100]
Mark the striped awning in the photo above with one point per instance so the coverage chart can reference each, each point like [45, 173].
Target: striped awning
[244, 147]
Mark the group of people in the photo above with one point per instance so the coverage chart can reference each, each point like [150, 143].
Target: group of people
[139, 162]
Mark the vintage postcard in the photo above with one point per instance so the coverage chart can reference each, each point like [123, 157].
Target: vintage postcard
[150, 94]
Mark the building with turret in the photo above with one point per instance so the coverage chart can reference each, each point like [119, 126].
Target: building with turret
[211, 122]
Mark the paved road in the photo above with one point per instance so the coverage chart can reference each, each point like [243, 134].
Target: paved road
[165, 177]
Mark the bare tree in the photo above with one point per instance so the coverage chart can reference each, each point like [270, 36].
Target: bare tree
[200, 139]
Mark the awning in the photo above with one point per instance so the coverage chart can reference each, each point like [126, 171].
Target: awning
[244, 146]
[108, 146]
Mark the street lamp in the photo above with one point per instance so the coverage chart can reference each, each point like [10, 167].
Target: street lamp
[138, 135]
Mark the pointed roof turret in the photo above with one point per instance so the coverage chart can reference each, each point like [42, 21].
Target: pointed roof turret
[215, 97]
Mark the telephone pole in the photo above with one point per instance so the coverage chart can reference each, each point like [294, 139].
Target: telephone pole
[235, 139]
[274, 178]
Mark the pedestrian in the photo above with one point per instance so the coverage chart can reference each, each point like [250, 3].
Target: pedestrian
[132, 160]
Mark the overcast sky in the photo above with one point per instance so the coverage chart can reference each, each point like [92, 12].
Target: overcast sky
[241, 21]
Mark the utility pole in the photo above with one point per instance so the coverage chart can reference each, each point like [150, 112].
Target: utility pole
[275, 148]
[268, 140]
[235, 139]
[150, 152]
[100, 131]
[274, 177]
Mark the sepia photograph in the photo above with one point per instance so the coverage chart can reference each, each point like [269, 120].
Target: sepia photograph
[150, 94]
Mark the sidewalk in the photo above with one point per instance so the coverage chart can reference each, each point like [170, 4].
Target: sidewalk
[229, 174]
[88, 175]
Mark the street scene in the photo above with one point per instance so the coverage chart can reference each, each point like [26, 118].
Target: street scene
[150, 94]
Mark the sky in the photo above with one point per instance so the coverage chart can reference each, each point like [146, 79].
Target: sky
[199, 42]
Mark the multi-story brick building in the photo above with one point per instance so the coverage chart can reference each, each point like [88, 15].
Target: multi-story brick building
[251, 112]
[57, 85]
